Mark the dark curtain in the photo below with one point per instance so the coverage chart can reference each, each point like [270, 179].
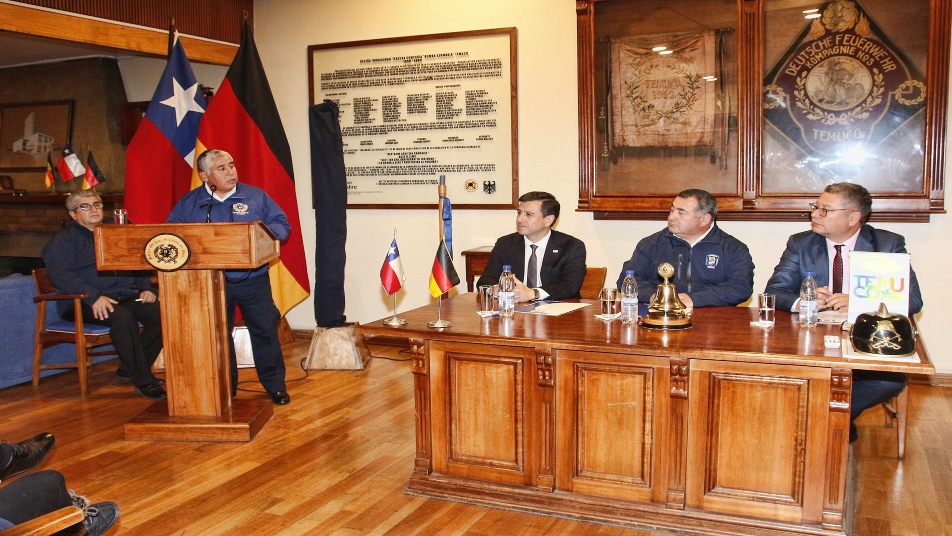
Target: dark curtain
[329, 190]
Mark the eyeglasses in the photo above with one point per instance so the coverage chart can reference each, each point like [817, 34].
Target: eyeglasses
[824, 211]
[86, 206]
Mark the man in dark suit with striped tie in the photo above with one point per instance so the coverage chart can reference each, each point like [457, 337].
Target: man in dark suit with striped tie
[838, 226]
[547, 264]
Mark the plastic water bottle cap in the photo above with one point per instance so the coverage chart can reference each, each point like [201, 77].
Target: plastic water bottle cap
[810, 274]
[506, 267]
[629, 272]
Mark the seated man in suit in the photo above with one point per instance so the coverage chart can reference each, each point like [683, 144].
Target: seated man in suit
[837, 227]
[711, 267]
[546, 263]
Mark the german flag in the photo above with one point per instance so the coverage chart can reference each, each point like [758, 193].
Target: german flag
[243, 120]
[52, 174]
[93, 176]
[443, 277]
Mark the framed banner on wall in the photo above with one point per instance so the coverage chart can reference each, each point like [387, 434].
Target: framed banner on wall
[415, 108]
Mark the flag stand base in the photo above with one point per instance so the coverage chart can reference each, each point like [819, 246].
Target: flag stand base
[394, 321]
[439, 322]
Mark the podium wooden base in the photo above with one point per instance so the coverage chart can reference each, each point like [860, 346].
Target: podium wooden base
[241, 423]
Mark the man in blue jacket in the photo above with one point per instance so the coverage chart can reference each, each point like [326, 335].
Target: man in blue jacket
[222, 199]
[838, 226]
[711, 267]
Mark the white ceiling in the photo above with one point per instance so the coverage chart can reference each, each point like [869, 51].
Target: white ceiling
[20, 49]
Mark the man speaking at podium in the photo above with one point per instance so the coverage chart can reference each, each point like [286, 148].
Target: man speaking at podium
[222, 199]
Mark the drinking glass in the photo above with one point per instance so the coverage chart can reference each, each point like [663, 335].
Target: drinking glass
[767, 303]
[609, 300]
[484, 300]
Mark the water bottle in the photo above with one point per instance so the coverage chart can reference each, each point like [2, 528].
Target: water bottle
[629, 298]
[507, 294]
[808, 302]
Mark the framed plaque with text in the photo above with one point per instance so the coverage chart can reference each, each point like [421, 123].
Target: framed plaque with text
[415, 108]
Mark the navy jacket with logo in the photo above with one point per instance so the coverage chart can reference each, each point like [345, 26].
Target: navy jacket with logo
[247, 204]
[718, 270]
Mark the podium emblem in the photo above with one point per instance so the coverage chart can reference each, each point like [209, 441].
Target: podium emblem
[167, 252]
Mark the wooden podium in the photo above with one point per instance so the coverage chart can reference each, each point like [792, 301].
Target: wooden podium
[194, 323]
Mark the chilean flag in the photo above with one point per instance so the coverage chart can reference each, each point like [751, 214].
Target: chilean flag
[69, 165]
[391, 273]
[160, 156]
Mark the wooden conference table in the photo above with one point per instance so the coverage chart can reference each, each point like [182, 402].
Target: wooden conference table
[721, 428]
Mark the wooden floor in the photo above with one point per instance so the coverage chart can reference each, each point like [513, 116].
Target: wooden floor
[337, 459]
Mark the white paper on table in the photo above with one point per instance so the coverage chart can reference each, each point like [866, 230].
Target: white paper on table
[831, 317]
[557, 308]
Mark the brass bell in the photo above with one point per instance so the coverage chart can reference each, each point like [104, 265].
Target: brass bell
[666, 310]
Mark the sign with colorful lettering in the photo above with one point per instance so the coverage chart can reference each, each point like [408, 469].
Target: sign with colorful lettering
[878, 278]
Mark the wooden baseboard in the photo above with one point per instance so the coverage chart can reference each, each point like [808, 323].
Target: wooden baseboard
[933, 380]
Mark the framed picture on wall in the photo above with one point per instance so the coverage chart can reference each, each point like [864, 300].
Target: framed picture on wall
[413, 109]
[30, 131]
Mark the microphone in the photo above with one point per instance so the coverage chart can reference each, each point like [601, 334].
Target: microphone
[211, 202]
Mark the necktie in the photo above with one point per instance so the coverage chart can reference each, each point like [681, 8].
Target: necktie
[838, 270]
[533, 269]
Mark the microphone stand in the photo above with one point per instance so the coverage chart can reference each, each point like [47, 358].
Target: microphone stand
[211, 202]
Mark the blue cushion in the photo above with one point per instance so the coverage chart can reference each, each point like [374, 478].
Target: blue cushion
[70, 327]
[17, 333]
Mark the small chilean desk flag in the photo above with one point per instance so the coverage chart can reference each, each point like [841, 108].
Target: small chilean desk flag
[391, 273]
[69, 165]
[443, 277]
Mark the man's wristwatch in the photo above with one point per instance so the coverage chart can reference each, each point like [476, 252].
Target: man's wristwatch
[535, 294]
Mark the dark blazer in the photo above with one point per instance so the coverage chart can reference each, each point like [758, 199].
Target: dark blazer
[807, 252]
[563, 266]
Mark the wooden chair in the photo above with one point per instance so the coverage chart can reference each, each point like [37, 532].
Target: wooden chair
[896, 412]
[52, 331]
[50, 523]
[593, 282]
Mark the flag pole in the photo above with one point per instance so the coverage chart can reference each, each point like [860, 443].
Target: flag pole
[439, 322]
[394, 320]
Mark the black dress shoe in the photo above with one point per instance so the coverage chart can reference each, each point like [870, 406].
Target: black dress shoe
[127, 379]
[16, 458]
[153, 391]
[281, 398]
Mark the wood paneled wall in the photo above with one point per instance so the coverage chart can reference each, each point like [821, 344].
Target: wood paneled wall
[214, 19]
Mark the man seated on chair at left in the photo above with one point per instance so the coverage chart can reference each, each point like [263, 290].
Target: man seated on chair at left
[120, 300]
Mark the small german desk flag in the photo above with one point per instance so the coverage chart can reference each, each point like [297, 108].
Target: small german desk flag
[443, 277]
